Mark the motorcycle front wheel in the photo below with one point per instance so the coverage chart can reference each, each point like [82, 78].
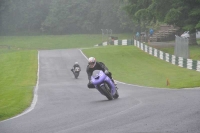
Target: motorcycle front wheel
[106, 90]
[76, 74]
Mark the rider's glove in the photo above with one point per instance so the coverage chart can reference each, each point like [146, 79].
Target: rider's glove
[90, 82]
[106, 72]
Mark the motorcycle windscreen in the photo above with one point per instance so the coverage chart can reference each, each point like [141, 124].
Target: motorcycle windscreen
[95, 74]
[76, 69]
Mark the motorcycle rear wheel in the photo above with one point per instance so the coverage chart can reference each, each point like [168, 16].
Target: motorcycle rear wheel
[116, 95]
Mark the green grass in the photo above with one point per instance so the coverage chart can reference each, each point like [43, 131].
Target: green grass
[18, 72]
[53, 41]
[194, 50]
[18, 69]
[131, 65]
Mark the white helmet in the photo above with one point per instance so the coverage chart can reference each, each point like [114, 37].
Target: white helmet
[91, 62]
[76, 63]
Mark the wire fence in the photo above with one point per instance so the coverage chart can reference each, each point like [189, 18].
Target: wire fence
[181, 48]
[106, 33]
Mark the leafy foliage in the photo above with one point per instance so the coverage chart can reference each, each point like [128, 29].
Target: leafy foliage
[62, 16]
[182, 13]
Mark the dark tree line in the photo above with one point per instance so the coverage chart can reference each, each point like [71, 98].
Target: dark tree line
[63, 16]
[182, 13]
[90, 16]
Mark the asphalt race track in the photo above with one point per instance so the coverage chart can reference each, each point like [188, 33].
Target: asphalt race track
[65, 104]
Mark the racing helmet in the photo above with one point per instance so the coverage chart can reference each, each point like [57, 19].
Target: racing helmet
[91, 62]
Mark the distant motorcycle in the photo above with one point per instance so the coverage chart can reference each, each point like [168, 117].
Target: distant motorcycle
[104, 85]
[76, 72]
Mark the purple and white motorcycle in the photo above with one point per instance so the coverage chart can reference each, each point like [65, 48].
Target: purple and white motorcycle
[104, 85]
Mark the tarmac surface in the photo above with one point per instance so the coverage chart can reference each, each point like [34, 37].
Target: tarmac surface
[65, 104]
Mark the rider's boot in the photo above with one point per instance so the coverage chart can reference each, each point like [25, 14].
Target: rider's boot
[114, 83]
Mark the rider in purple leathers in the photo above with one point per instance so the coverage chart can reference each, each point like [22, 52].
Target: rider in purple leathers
[95, 65]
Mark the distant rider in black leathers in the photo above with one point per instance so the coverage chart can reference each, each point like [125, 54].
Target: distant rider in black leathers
[74, 66]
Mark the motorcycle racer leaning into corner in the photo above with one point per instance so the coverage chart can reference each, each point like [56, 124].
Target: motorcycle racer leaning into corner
[95, 65]
[74, 66]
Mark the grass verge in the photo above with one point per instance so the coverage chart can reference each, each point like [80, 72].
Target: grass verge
[18, 68]
[54, 41]
[18, 72]
[193, 50]
[131, 65]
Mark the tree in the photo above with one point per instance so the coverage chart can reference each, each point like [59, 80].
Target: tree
[62, 16]
[22, 15]
[2, 8]
[139, 12]
[182, 13]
